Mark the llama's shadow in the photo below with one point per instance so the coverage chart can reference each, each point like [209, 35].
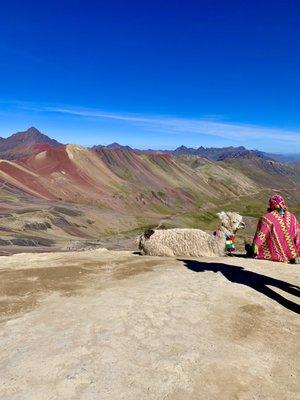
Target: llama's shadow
[256, 281]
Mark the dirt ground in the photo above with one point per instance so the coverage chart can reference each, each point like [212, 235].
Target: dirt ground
[114, 325]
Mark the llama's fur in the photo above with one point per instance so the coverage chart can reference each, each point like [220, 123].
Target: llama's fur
[190, 242]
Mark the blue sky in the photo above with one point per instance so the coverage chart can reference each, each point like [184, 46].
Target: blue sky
[153, 74]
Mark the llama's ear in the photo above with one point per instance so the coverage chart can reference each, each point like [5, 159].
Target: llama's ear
[148, 233]
[221, 215]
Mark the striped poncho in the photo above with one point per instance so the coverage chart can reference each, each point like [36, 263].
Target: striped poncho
[277, 237]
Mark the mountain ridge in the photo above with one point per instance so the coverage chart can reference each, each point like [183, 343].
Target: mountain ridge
[211, 153]
[31, 141]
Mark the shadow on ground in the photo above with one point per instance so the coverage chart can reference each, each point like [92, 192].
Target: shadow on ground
[256, 281]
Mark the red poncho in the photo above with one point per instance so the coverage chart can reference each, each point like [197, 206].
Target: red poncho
[277, 237]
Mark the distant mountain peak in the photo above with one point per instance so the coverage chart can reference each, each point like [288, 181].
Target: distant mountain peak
[219, 153]
[114, 146]
[33, 134]
[25, 143]
[33, 129]
[182, 150]
[30, 131]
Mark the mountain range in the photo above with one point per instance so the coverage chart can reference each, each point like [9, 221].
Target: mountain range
[213, 153]
[32, 141]
[65, 191]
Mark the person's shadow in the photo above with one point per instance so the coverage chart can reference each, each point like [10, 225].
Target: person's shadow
[254, 280]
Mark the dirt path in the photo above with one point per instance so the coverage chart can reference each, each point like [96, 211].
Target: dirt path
[112, 325]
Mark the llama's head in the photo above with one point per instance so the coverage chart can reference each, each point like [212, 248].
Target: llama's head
[231, 221]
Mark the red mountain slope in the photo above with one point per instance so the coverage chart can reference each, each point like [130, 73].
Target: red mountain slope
[120, 180]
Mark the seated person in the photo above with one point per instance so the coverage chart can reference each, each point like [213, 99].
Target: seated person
[277, 237]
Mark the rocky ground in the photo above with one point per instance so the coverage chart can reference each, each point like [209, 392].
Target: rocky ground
[114, 325]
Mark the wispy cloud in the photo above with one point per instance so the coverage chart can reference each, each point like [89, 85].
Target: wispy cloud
[185, 126]
[214, 127]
